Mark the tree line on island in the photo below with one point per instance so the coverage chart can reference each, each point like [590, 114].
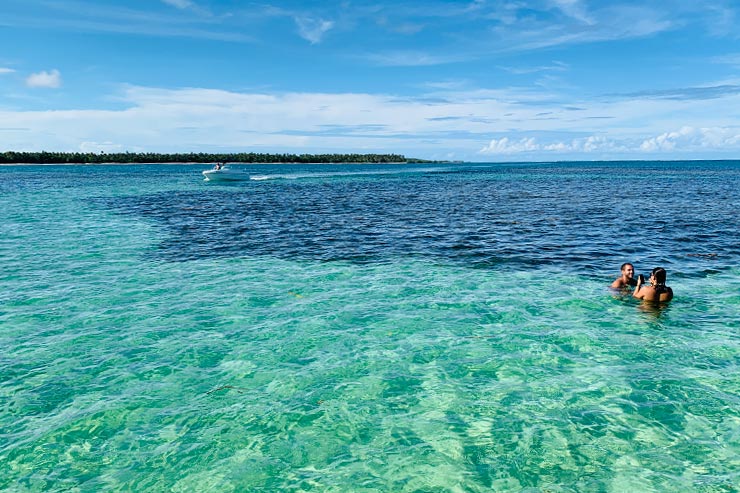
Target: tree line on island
[44, 157]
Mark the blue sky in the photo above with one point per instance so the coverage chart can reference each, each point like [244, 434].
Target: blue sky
[471, 80]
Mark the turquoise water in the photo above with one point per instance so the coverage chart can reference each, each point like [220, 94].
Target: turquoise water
[432, 328]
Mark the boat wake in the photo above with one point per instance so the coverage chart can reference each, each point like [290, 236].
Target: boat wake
[330, 174]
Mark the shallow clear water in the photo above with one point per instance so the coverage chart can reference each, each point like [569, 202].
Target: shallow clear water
[369, 329]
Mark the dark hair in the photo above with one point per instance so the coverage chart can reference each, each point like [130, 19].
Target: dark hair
[625, 265]
[659, 274]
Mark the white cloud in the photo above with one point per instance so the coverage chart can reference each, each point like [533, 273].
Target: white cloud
[312, 29]
[51, 79]
[596, 143]
[4, 70]
[666, 141]
[506, 146]
[101, 147]
[689, 138]
[593, 143]
[684, 140]
[445, 120]
[590, 144]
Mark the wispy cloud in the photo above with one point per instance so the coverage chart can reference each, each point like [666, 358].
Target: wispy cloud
[411, 59]
[313, 29]
[52, 79]
[446, 85]
[101, 147]
[687, 93]
[407, 28]
[446, 118]
[483, 28]
[403, 27]
[180, 4]
[553, 67]
[612, 22]
[4, 70]
[721, 20]
[189, 5]
[732, 59]
[80, 16]
[574, 9]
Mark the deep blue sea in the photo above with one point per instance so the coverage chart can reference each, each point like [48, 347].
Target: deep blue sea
[369, 328]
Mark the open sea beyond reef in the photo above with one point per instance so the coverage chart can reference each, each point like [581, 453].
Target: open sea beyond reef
[369, 328]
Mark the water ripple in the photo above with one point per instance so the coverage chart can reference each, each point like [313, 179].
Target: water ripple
[481, 217]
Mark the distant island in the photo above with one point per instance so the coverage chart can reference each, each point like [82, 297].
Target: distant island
[44, 157]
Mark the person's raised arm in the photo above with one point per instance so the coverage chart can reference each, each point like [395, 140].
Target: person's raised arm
[636, 293]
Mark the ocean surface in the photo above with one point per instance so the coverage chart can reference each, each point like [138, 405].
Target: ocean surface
[369, 328]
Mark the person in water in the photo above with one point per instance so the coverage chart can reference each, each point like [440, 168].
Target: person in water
[657, 291]
[626, 279]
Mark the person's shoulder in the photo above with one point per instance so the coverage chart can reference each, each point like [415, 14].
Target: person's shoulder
[645, 292]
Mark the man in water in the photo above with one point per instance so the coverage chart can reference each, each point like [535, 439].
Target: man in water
[626, 279]
[657, 291]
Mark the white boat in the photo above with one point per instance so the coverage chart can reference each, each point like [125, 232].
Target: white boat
[225, 173]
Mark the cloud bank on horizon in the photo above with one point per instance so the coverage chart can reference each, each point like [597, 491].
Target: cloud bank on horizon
[480, 80]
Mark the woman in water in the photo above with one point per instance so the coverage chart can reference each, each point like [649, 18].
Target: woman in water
[657, 291]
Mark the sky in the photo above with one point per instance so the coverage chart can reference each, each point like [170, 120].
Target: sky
[480, 80]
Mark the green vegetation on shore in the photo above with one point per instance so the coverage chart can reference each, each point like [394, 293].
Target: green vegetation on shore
[200, 157]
